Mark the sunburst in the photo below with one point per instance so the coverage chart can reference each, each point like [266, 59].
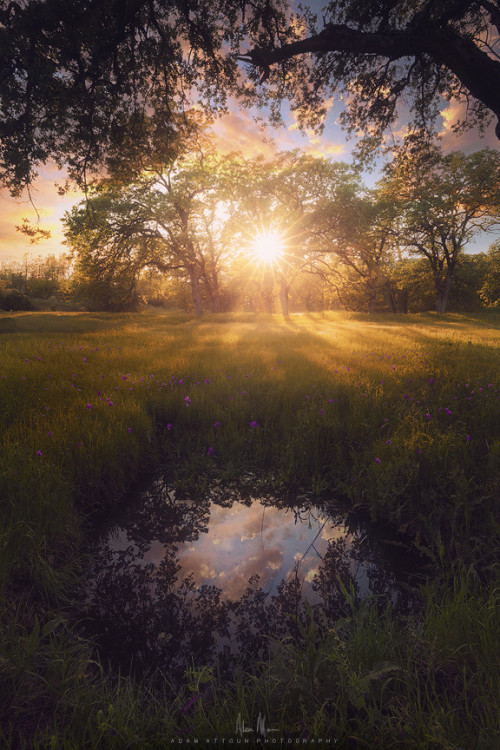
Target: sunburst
[268, 247]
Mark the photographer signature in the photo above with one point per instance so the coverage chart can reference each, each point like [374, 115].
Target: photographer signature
[260, 727]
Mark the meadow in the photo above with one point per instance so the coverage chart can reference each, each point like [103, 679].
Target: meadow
[397, 415]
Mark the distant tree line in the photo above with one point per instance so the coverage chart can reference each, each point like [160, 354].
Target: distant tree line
[50, 283]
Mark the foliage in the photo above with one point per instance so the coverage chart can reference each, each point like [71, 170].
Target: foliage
[79, 78]
[490, 291]
[441, 203]
[377, 54]
[12, 299]
[170, 218]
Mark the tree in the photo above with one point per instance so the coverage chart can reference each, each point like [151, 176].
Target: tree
[362, 232]
[81, 79]
[443, 201]
[107, 241]
[171, 218]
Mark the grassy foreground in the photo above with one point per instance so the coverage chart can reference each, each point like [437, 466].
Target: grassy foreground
[400, 414]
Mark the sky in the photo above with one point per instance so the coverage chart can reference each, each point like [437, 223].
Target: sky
[236, 131]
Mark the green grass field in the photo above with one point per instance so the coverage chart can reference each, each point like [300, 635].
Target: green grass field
[397, 414]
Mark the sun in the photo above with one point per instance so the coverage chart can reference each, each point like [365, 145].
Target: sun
[268, 247]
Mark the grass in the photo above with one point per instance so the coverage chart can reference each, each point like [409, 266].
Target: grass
[398, 414]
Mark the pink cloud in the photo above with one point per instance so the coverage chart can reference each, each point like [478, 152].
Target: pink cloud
[469, 140]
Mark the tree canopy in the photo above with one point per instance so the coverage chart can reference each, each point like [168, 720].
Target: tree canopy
[376, 53]
[442, 202]
[81, 78]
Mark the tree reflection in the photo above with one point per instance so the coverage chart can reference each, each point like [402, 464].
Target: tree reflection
[145, 612]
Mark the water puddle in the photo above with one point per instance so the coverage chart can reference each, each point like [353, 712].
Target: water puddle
[177, 578]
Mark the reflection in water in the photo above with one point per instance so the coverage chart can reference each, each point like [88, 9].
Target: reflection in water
[180, 579]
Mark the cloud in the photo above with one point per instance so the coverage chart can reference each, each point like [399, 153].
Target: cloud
[238, 131]
[469, 140]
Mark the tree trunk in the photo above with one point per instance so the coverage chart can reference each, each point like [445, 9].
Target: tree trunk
[195, 290]
[216, 295]
[403, 305]
[267, 291]
[284, 299]
[372, 299]
[443, 294]
[267, 296]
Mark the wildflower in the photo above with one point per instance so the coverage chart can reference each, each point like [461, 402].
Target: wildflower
[169, 426]
[188, 401]
[210, 451]
[50, 434]
[467, 437]
[217, 425]
[39, 453]
[89, 406]
[207, 381]
[129, 429]
[428, 415]
[378, 460]
[321, 411]
[388, 442]
[253, 425]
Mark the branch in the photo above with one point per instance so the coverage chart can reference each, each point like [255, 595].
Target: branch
[341, 38]
[475, 69]
[494, 12]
